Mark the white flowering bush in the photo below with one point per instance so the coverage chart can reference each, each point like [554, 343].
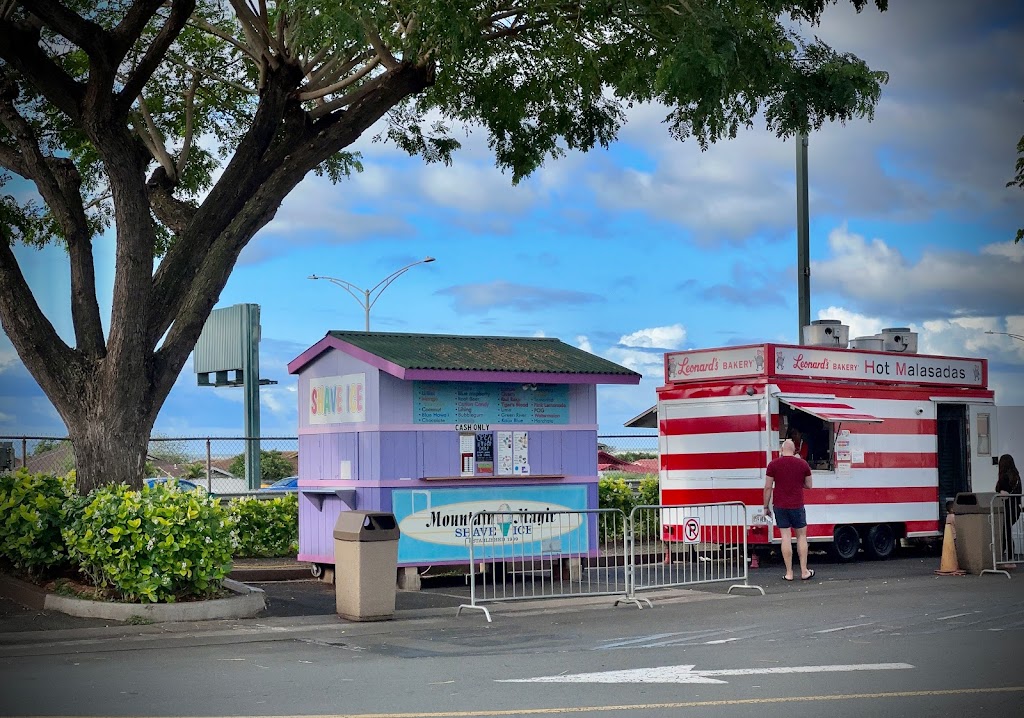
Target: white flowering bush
[160, 544]
[32, 509]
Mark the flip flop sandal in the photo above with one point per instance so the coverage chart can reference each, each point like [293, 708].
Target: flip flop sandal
[787, 579]
[809, 576]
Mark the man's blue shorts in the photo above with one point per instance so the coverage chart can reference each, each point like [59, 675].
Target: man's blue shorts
[791, 518]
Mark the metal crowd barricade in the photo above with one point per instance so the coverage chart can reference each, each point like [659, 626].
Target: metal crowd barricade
[672, 546]
[516, 555]
[1007, 538]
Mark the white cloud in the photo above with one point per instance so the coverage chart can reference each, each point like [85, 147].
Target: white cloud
[474, 188]
[1008, 250]
[670, 337]
[939, 284]
[584, 343]
[9, 359]
[860, 325]
[650, 364]
[967, 336]
[484, 296]
[954, 82]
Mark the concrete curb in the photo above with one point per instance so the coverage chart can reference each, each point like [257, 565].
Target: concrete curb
[247, 603]
[271, 573]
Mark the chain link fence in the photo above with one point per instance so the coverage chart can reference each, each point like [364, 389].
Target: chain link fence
[218, 463]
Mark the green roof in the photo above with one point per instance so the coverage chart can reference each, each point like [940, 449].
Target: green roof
[472, 353]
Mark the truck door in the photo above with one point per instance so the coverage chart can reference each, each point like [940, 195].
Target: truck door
[953, 453]
[982, 446]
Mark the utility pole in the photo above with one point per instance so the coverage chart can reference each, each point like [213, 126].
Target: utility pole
[803, 239]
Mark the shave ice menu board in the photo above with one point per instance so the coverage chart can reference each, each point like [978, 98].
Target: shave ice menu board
[444, 402]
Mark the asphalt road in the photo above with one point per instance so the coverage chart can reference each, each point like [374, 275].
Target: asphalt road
[867, 639]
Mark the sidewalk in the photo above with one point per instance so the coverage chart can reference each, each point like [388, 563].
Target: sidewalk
[293, 595]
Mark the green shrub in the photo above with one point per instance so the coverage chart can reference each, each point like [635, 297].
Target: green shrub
[265, 529]
[649, 493]
[648, 521]
[158, 544]
[613, 493]
[32, 510]
[273, 466]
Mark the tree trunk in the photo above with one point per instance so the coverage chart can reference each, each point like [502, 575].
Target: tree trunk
[109, 452]
[109, 422]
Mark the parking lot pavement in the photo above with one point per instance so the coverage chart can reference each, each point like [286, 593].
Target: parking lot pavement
[310, 597]
[297, 597]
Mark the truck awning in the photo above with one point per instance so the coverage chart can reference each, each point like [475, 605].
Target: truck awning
[829, 409]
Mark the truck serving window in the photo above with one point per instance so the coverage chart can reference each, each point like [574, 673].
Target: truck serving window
[817, 419]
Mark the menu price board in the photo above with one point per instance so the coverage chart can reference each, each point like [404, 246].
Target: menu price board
[441, 402]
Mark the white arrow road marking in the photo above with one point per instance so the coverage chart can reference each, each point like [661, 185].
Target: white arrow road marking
[686, 674]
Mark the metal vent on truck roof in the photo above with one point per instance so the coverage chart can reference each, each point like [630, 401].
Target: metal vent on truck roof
[871, 343]
[826, 333]
[898, 339]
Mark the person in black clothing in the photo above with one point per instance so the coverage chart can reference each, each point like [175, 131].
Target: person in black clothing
[1009, 483]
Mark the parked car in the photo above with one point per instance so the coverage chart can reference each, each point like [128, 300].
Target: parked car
[183, 484]
[288, 483]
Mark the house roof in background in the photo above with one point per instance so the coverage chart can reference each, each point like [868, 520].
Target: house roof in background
[471, 358]
[646, 420]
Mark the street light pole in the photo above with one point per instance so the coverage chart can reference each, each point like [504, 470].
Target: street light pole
[1018, 337]
[368, 297]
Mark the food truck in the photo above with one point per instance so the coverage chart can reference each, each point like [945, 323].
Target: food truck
[433, 428]
[892, 434]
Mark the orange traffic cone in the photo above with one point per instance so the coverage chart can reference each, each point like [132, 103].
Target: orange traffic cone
[949, 566]
[753, 561]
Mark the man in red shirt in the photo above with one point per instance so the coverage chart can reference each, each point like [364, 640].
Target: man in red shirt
[785, 481]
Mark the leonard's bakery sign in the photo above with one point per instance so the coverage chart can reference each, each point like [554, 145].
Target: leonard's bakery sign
[815, 363]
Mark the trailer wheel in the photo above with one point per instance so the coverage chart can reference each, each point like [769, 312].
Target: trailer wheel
[880, 542]
[845, 543]
[317, 569]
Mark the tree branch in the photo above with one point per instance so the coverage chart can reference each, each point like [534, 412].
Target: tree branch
[174, 213]
[156, 140]
[181, 10]
[379, 47]
[339, 64]
[226, 37]
[130, 29]
[33, 336]
[515, 29]
[21, 50]
[190, 116]
[84, 33]
[206, 73]
[236, 186]
[11, 159]
[229, 221]
[59, 185]
[342, 84]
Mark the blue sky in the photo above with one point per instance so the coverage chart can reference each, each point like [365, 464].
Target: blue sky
[653, 245]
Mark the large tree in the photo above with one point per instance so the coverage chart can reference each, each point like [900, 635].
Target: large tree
[121, 113]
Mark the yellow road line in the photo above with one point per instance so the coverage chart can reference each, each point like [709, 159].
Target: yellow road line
[637, 706]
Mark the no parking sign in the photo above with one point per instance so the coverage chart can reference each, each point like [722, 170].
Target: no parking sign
[691, 530]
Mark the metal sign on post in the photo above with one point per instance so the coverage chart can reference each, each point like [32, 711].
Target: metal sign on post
[228, 354]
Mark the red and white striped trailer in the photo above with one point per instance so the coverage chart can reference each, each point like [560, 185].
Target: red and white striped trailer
[892, 437]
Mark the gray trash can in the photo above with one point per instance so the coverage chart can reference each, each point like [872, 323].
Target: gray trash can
[974, 516]
[365, 565]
